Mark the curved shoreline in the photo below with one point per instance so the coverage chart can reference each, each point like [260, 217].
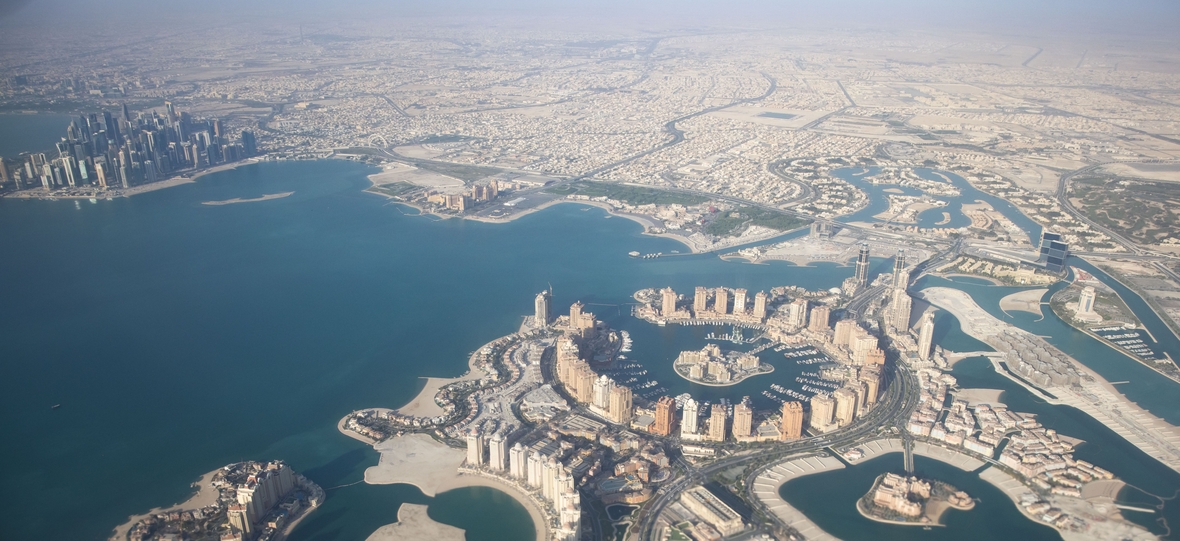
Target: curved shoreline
[860, 509]
[540, 525]
[205, 495]
[730, 384]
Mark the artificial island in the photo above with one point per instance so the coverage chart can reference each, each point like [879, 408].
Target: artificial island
[556, 415]
[911, 501]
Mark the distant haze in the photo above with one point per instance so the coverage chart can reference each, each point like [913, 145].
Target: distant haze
[1136, 17]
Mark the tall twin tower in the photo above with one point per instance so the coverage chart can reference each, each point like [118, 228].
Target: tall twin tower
[543, 308]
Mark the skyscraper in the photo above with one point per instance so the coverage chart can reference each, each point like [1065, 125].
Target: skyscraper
[743, 420]
[819, 318]
[474, 448]
[871, 377]
[846, 402]
[822, 409]
[543, 308]
[792, 422]
[536, 469]
[699, 301]
[621, 407]
[798, 313]
[518, 461]
[667, 302]
[602, 390]
[739, 302]
[688, 420]
[843, 334]
[760, 305]
[1054, 251]
[721, 301]
[665, 416]
[900, 307]
[901, 278]
[717, 420]
[926, 337]
[862, 267]
[498, 452]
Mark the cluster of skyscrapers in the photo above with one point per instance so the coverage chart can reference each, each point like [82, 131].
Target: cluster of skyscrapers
[539, 468]
[103, 151]
[602, 395]
[719, 307]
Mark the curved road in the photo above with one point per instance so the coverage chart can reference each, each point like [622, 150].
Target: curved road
[892, 410]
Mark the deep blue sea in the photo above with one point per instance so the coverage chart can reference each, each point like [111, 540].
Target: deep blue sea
[179, 337]
[31, 133]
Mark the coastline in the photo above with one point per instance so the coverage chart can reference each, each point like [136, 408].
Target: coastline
[34, 193]
[768, 483]
[205, 495]
[435, 468]
[730, 384]
[540, 524]
[1098, 399]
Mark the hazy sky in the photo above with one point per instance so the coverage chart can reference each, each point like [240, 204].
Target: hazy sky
[1059, 16]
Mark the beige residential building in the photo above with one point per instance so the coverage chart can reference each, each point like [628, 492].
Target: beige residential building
[743, 420]
[846, 402]
[739, 301]
[667, 302]
[760, 299]
[721, 301]
[700, 301]
[792, 423]
[717, 421]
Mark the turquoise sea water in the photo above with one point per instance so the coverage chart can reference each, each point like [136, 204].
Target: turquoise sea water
[179, 337]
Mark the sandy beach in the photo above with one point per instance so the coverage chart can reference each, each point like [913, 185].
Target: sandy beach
[419, 460]
[1028, 300]
[415, 459]
[236, 200]
[206, 495]
[414, 523]
[540, 524]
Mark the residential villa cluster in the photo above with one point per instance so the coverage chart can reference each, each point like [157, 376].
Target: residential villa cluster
[1039, 456]
[256, 501]
[710, 366]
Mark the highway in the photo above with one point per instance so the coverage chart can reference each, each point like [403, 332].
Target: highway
[1063, 200]
[892, 411]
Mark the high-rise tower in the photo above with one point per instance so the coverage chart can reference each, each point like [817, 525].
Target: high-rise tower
[699, 301]
[739, 302]
[926, 337]
[667, 302]
[688, 420]
[901, 278]
[665, 416]
[717, 421]
[792, 422]
[862, 266]
[760, 305]
[743, 420]
[543, 308]
[721, 301]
